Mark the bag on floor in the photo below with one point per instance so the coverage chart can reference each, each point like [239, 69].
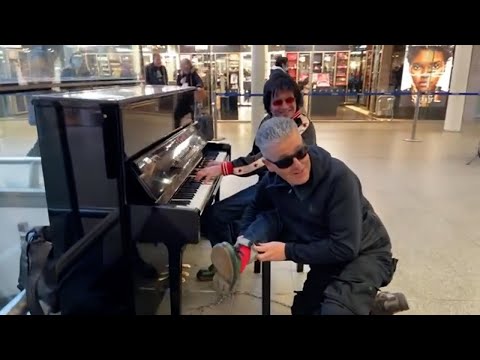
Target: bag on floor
[37, 272]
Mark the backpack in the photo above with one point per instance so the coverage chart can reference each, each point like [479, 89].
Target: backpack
[37, 272]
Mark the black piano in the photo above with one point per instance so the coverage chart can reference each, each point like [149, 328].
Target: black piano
[119, 174]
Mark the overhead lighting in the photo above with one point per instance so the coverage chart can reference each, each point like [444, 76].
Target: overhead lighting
[11, 46]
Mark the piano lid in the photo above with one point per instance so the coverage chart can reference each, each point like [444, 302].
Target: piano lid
[115, 94]
[163, 169]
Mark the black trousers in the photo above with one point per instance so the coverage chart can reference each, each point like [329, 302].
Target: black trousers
[345, 289]
[184, 106]
[221, 221]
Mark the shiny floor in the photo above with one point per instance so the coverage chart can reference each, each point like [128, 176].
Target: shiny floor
[424, 192]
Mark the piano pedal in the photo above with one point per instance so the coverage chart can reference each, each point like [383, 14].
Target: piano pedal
[184, 266]
[164, 276]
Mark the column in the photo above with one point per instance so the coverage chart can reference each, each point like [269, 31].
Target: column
[471, 110]
[385, 70]
[258, 80]
[458, 83]
[138, 61]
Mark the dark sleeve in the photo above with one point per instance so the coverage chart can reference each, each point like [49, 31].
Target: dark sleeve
[147, 75]
[197, 80]
[165, 74]
[345, 223]
[260, 203]
[179, 78]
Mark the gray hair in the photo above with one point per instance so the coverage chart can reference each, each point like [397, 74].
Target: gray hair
[274, 130]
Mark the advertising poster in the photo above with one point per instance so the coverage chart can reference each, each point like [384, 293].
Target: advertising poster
[427, 68]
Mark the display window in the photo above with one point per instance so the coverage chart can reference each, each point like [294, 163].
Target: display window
[33, 64]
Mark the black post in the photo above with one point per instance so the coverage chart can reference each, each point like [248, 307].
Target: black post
[175, 278]
[266, 270]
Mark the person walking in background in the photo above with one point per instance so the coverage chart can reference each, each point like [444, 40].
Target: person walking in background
[155, 72]
[280, 68]
[188, 76]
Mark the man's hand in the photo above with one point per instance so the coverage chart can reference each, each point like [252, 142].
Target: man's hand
[271, 251]
[210, 172]
[213, 163]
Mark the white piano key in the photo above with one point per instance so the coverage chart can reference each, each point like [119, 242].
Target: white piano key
[204, 191]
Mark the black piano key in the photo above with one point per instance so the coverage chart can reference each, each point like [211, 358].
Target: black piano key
[187, 192]
[180, 202]
[184, 196]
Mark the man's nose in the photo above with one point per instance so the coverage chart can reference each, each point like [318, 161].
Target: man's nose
[297, 165]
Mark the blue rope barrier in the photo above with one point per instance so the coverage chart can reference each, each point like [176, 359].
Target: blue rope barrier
[354, 93]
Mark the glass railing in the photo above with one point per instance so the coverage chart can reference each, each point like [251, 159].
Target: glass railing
[22, 206]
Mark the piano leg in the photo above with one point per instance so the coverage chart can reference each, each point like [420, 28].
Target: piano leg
[175, 278]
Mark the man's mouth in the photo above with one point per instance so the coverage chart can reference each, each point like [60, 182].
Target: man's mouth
[299, 172]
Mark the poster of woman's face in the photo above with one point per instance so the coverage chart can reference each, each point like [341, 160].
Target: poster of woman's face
[427, 68]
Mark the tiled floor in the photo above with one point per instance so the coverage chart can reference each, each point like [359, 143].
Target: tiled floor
[425, 194]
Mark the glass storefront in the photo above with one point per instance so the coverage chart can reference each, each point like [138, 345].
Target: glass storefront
[33, 64]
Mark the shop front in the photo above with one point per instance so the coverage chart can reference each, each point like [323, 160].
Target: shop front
[31, 68]
[219, 67]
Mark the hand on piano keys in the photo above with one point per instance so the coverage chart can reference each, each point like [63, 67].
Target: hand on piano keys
[196, 193]
[212, 170]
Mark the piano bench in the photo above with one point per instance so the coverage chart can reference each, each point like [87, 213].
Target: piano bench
[257, 267]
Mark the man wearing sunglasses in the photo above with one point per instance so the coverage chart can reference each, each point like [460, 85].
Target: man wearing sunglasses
[310, 209]
[221, 221]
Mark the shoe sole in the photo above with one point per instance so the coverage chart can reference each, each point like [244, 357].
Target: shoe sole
[222, 260]
[402, 302]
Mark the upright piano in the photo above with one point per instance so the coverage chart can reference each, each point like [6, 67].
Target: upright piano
[119, 172]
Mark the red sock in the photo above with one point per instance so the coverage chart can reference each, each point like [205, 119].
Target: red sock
[244, 252]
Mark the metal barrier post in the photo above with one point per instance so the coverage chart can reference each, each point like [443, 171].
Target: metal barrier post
[213, 98]
[415, 119]
[215, 123]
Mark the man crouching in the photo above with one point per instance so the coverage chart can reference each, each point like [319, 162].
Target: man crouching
[310, 209]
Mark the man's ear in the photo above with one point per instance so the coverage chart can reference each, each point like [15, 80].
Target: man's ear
[270, 166]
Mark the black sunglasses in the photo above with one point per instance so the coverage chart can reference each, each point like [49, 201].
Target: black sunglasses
[287, 161]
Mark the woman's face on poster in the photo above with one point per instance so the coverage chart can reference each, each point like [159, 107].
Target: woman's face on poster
[426, 69]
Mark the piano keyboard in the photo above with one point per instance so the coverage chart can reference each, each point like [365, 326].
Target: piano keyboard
[195, 194]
